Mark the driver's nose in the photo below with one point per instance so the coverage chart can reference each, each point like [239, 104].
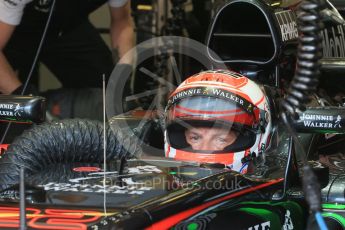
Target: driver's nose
[206, 145]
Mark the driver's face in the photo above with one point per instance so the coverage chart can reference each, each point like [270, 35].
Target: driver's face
[212, 139]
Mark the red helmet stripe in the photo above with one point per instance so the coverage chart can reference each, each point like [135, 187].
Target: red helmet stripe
[261, 99]
[245, 119]
[208, 112]
[222, 158]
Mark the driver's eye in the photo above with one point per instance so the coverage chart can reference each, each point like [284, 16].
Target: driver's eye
[194, 138]
[221, 140]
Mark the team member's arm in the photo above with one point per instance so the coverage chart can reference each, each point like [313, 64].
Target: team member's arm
[122, 35]
[8, 79]
[10, 16]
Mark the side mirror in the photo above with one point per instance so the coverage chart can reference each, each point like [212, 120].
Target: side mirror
[26, 109]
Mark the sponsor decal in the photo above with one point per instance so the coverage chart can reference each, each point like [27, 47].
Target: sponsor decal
[337, 122]
[288, 225]
[87, 169]
[144, 169]
[263, 226]
[10, 110]
[316, 117]
[213, 92]
[131, 186]
[6, 106]
[312, 124]
[287, 24]
[6, 113]
[49, 218]
[43, 6]
[97, 188]
[321, 121]
[333, 41]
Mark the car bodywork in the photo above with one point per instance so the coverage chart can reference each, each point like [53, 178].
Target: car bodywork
[155, 192]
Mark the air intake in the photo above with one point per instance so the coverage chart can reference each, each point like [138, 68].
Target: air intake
[245, 32]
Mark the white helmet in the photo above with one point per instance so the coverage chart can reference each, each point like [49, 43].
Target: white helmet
[221, 99]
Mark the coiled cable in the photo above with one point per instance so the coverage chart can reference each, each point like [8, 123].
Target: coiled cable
[305, 83]
[309, 54]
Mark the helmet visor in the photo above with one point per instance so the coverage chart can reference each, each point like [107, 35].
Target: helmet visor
[210, 111]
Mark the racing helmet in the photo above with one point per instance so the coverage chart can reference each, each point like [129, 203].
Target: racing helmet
[218, 99]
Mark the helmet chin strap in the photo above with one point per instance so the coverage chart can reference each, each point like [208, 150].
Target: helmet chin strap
[250, 157]
[262, 121]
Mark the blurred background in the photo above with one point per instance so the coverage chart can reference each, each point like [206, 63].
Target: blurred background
[150, 17]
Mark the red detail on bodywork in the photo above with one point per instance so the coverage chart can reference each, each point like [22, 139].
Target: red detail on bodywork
[9, 216]
[174, 219]
[86, 169]
[49, 218]
[56, 110]
[3, 148]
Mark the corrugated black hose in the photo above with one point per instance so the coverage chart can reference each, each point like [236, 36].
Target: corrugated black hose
[65, 141]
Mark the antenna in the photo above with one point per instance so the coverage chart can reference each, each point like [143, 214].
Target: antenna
[22, 208]
[104, 150]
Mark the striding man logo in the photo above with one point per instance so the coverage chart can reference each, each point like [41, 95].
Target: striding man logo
[43, 5]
